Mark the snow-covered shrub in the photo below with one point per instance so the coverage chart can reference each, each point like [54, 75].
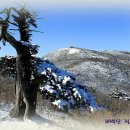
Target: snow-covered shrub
[61, 88]
[119, 95]
[8, 66]
[56, 85]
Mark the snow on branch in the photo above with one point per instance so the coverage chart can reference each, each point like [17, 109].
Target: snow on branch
[31, 47]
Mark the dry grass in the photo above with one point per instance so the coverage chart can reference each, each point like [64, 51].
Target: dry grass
[7, 93]
[113, 107]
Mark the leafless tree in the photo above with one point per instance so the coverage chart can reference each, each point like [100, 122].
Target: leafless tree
[22, 19]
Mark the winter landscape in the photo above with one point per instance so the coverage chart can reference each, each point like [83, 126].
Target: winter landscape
[113, 102]
[71, 88]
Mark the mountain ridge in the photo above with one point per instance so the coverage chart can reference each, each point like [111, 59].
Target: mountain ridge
[103, 71]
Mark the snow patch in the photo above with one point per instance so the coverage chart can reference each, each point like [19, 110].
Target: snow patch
[60, 103]
[54, 121]
[73, 50]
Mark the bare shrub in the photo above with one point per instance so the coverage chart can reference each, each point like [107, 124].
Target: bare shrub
[7, 90]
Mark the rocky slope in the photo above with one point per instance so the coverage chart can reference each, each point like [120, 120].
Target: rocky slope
[103, 72]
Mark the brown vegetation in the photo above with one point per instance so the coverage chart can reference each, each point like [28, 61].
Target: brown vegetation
[7, 91]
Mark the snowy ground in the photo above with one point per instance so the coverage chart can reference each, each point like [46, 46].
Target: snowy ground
[48, 120]
[51, 120]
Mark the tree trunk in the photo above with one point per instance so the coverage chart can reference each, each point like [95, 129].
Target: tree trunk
[26, 92]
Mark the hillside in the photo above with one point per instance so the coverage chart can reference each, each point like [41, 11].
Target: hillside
[103, 72]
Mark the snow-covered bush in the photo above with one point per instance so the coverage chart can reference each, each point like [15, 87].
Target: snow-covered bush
[56, 85]
[8, 65]
[119, 95]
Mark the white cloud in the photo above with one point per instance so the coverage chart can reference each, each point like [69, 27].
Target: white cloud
[68, 3]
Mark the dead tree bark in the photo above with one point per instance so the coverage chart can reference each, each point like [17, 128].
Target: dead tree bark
[26, 91]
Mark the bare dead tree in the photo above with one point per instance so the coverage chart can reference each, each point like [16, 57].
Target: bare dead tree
[22, 19]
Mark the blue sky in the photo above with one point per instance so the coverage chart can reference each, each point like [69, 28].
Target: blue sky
[96, 29]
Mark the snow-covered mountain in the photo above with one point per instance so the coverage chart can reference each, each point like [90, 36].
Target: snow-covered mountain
[104, 71]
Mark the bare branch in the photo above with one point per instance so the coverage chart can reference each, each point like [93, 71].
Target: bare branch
[14, 29]
[13, 23]
[16, 44]
[36, 31]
